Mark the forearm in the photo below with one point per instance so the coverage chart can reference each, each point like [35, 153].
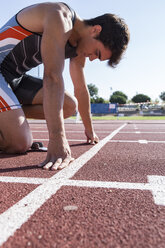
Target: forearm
[84, 108]
[53, 106]
[81, 92]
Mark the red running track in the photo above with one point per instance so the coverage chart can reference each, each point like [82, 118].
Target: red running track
[112, 195]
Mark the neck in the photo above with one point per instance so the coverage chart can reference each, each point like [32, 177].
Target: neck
[80, 30]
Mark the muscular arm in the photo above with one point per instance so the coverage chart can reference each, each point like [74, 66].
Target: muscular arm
[81, 91]
[82, 95]
[55, 35]
[53, 83]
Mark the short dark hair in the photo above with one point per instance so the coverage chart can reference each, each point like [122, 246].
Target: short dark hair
[114, 35]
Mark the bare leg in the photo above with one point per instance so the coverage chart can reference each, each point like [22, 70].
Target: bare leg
[15, 134]
[35, 110]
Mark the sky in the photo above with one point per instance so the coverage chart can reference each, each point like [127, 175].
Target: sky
[142, 69]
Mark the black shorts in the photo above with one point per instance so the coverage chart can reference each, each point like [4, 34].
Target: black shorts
[27, 89]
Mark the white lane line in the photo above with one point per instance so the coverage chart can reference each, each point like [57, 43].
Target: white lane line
[138, 141]
[156, 184]
[28, 180]
[108, 185]
[81, 183]
[143, 141]
[136, 132]
[158, 191]
[157, 141]
[113, 141]
[144, 132]
[17, 215]
[46, 131]
[78, 140]
[123, 141]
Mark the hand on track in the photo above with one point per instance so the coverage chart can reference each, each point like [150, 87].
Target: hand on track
[92, 138]
[58, 156]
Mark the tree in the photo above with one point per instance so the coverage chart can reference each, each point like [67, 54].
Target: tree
[141, 98]
[162, 96]
[99, 100]
[118, 99]
[93, 90]
[120, 93]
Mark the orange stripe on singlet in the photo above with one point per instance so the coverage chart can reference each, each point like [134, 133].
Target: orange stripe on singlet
[16, 32]
[3, 105]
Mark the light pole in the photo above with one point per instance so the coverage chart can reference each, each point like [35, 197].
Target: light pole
[111, 89]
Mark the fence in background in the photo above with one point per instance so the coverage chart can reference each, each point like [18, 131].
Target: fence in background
[103, 108]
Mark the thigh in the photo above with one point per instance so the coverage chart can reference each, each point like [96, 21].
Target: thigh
[69, 108]
[28, 88]
[30, 92]
[69, 100]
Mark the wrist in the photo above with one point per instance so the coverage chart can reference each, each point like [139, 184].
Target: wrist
[60, 134]
[88, 124]
[89, 129]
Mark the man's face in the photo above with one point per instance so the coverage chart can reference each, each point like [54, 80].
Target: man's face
[93, 49]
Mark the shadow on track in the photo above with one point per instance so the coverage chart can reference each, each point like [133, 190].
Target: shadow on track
[81, 144]
[23, 168]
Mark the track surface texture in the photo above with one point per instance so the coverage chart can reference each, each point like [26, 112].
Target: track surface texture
[112, 195]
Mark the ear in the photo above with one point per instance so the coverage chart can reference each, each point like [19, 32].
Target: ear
[95, 31]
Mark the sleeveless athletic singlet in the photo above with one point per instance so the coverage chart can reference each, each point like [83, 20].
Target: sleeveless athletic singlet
[19, 53]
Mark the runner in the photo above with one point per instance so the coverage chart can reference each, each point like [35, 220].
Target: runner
[49, 33]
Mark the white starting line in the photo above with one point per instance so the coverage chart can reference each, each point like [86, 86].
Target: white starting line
[156, 184]
[13, 218]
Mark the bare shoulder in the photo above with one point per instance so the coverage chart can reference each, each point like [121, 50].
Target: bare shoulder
[33, 17]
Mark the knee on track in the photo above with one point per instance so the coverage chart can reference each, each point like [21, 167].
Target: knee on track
[18, 146]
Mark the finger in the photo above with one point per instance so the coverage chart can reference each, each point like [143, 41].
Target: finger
[96, 140]
[57, 164]
[65, 163]
[92, 141]
[48, 166]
